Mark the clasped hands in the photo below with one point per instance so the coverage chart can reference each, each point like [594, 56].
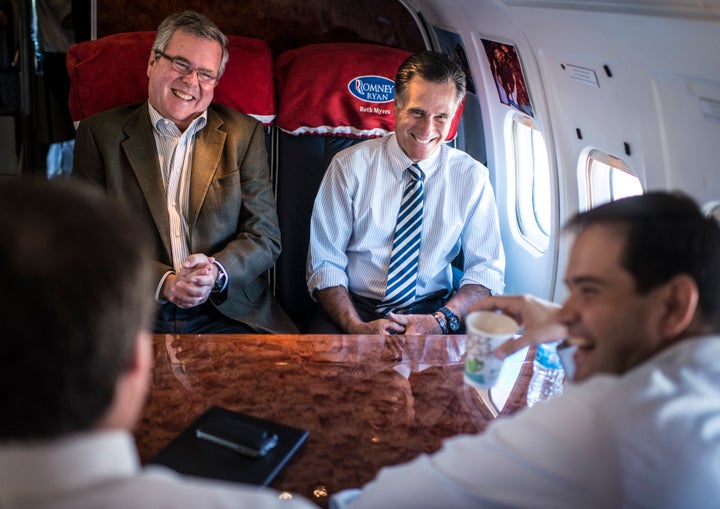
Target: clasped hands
[192, 284]
[396, 323]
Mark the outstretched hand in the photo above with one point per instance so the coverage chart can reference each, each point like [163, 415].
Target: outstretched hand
[537, 316]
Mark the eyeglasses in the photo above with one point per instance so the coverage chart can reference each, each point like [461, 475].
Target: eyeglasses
[182, 66]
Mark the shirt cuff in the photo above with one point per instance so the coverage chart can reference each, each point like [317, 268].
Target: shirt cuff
[489, 278]
[159, 299]
[325, 278]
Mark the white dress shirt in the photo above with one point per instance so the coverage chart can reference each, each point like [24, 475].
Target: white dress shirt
[356, 209]
[102, 469]
[647, 439]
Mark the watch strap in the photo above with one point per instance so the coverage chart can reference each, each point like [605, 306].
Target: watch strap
[453, 322]
[441, 321]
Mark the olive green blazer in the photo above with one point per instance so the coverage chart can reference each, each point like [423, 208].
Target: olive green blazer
[231, 216]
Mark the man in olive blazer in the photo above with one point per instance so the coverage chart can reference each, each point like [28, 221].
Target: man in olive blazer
[232, 213]
[228, 220]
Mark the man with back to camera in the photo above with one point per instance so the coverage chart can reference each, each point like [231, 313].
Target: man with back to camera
[641, 425]
[198, 175]
[368, 276]
[75, 327]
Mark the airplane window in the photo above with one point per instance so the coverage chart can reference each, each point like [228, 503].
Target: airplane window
[532, 182]
[608, 178]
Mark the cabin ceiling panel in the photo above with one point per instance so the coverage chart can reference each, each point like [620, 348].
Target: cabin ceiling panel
[283, 24]
[692, 8]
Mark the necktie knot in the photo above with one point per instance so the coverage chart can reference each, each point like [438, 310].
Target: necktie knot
[416, 173]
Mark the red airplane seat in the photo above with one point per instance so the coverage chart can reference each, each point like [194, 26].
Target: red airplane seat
[111, 71]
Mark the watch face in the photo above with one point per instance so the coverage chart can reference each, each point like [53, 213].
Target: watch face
[452, 320]
[219, 283]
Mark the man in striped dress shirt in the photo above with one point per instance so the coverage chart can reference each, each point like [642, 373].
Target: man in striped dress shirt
[354, 218]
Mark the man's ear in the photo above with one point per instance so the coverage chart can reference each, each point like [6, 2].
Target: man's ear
[131, 387]
[143, 357]
[152, 60]
[681, 302]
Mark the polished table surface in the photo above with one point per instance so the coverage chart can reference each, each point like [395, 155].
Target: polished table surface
[367, 401]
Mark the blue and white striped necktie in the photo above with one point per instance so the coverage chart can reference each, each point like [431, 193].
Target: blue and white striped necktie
[403, 269]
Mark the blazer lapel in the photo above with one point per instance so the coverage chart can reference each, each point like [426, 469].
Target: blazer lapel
[207, 153]
[141, 151]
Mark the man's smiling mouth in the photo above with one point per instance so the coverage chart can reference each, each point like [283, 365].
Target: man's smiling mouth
[182, 95]
[423, 142]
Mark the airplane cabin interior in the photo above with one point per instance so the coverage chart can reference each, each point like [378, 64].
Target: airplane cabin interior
[569, 104]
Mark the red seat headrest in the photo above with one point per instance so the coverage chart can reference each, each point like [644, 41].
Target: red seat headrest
[111, 71]
[339, 89]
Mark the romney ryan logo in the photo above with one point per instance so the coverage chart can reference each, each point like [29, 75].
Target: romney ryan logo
[373, 89]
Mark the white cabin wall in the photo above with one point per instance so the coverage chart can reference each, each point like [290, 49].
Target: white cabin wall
[527, 271]
[656, 63]
[663, 99]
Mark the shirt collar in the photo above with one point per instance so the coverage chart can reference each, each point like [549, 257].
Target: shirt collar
[167, 128]
[400, 161]
[40, 469]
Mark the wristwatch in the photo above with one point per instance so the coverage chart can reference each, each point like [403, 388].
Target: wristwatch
[220, 280]
[453, 322]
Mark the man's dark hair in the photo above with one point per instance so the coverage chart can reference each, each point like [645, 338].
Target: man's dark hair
[433, 67]
[76, 291]
[666, 234]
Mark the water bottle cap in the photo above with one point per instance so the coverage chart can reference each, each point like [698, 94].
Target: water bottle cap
[547, 356]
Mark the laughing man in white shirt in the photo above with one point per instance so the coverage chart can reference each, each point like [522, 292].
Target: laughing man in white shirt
[640, 427]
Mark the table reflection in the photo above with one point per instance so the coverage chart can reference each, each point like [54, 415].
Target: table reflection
[509, 374]
[367, 401]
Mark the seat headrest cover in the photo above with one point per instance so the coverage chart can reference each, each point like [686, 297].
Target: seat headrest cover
[111, 71]
[339, 89]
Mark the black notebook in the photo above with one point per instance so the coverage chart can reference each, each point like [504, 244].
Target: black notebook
[191, 455]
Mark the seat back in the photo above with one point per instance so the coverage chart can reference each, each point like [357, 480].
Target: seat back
[330, 96]
[111, 71]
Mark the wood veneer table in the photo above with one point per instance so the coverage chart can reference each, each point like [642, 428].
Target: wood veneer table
[367, 401]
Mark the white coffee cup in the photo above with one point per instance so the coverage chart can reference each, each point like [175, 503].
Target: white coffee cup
[486, 330]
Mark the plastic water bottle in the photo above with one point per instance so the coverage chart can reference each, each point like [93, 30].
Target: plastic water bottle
[548, 375]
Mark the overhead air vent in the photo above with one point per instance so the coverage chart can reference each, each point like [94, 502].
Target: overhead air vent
[582, 75]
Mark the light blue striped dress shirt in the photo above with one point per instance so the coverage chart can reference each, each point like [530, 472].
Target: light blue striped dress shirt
[356, 208]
